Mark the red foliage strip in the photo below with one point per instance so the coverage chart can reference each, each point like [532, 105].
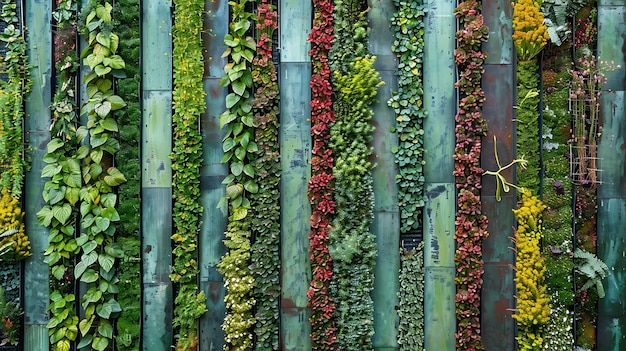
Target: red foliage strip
[471, 224]
[323, 330]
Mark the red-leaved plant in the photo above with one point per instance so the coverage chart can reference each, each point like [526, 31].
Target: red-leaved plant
[323, 330]
[471, 224]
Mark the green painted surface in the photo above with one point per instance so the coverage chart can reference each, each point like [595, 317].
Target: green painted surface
[37, 122]
[212, 173]
[386, 223]
[498, 16]
[611, 42]
[612, 148]
[156, 193]
[498, 326]
[295, 151]
[438, 335]
[295, 23]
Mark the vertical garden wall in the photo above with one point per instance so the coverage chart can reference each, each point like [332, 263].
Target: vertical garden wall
[312, 175]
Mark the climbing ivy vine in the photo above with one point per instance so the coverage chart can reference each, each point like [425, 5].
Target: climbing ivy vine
[411, 299]
[265, 251]
[240, 151]
[407, 103]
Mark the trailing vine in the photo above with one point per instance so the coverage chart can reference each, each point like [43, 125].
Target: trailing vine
[240, 152]
[128, 327]
[188, 97]
[411, 299]
[350, 33]
[265, 251]
[352, 245]
[533, 303]
[62, 192]
[407, 103]
[320, 190]
[471, 223]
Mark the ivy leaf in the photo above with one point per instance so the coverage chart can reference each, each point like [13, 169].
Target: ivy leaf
[226, 118]
[102, 109]
[251, 186]
[228, 144]
[106, 262]
[86, 339]
[62, 213]
[58, 271]
[239, 87]
[55, 144]
[236, 168]
[114, 177]
[232, 99]
[89, 276]
[105, 329]
[239, 213]
[116, 102]
[102, 223]
[101, 70]
[249, 170]
[109, 124]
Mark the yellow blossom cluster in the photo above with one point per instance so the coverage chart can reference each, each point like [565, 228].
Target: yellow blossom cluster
[530, 34]
[11, 218]
[533, 303]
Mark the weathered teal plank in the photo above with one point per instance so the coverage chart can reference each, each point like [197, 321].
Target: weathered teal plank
[156, 193]
[37, 122]
[212, 173]
[497, 298]
[612, 150]
[295, 150]
[437, 332]
[611, 42]
[295, 23]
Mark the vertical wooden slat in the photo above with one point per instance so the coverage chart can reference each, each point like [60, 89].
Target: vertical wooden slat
[295, 150]
[440, 190]
[37, 123]
[213, 172]
[386, 223]
[498, 327]
[156, 192]
[612, 192]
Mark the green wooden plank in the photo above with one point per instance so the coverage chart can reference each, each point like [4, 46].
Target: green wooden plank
[438, 335]
[386, 223]
[295, 23]
[37, 122]
[611, 41]
[498, 16]
[611, 150]
[156, 140]
[212, 173]
[295, 150]
[156, 41]
[498, 326]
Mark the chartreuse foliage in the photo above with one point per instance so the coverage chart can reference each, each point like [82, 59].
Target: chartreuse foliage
[240, 152]
[527, 117]
[189, 104]
[533, 303]
[407, 103]
[352, 245]
[320, 189]
[471, 224]
[265, 251]
[14, 244]
[82, 177]
[126, 13]
[411, 299]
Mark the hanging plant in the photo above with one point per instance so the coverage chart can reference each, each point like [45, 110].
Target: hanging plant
[471, 224]
[407, 103]
[411, 299]
[320, 192]
[533, 303]
[128, 327]
[352, 245]
[240, 151]
[265, 251]
[188, 97]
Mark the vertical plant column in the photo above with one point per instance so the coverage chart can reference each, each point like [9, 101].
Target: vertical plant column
[213, 171]
[386, 221]
[497, 326]
[440, 193]
[295, 148]
[323, 328]
[411, 299]
[240, 153]
[98, 200]
[188, 99]
[471, 223]
[532, 311]
[37, 124]
[62, 189]
[611, 193]
[128, 324]
[156, 180]
[265, 251]
[530, 36]
[352, 244]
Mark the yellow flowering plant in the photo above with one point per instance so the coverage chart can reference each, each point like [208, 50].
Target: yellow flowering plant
[533, 303]
[530, 33]
[14, 244]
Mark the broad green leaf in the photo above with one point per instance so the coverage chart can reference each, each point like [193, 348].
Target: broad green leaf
[106, 262]
[115, 41]
[101, 70]
[62, 345]
[251, 186]
[228, 144]
[96, 155]
[104, 310]
[79, 269]
[62, 213]
[54, 145]
[240, 213]
[44, 216]
[84, 326]
[72, 195]
[114, 177]
[104, 12]
[115, 62]
[102, 223]
[92, 61]
[114, 250]
[249, 170]
[58, 271]
[239, 87]
[236, 168]
[234, 191]
[50, 170]
[226, 118]
[102, 109]
[232, 99]
[89, 276]
[103, 85]
[109, 124]
[116, 102]
[105, 329]
[58, 334]
[88, 247]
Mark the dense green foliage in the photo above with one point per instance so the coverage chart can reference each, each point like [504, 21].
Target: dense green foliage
[265, 250]
[407, 103]
[411, 299]
[527, 119]
[188, 97]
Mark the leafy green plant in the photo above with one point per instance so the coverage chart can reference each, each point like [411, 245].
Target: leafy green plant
[240, 152]
[320, 189]
[502, 183]
[592, 268]
[352, 245]
[527, 117]
[10, 315]
[407, 103]
[188, 97]
[471, 223]
[411, 299]
[265, 250]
